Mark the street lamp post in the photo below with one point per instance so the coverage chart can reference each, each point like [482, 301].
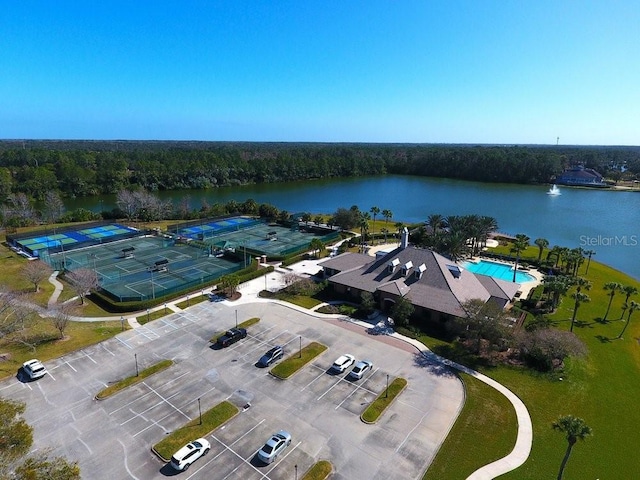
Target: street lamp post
[296, 468]
[147, 314]
[135, 355]
[236, 318]
[199, 410]
[386, 393]
[300, 349]
[122, 323]
[165, 308]
[188, 301]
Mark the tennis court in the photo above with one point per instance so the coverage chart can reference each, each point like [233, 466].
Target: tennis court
[261, 238]
[146, 267]
[41, 242]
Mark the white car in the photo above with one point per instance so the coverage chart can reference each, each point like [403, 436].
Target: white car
[274, 446]
[188, 454]
[343, 362]
[362, 367]
[34, 369]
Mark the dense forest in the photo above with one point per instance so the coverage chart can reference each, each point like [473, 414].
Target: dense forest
[85, 168]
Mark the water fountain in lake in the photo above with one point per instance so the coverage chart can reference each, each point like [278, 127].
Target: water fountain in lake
[554, 190]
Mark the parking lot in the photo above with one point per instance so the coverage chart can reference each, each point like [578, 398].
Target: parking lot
[111, 439]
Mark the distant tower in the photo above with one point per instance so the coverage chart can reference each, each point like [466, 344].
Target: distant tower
[557, 141]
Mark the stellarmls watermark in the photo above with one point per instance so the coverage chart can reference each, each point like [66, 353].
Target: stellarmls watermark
[609, 241]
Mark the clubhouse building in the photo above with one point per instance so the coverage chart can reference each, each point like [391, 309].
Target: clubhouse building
[436, 286]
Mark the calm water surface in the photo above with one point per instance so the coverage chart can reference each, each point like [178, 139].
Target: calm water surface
[604, 221]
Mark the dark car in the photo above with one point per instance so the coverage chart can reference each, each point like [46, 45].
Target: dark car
[231, 337]
[271, 356]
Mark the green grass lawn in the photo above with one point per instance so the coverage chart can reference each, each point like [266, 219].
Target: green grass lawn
[602, 389]
[49, 345]
[489, 415]
[319, 471]
[193, 300]
[373, 412]
[296, 361]
[211, 419]
[132, 380]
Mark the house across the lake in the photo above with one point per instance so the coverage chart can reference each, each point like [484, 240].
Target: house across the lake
[436, 286]
[578, 175]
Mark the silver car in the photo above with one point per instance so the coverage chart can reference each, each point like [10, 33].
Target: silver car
[274, 446]
[362, 367]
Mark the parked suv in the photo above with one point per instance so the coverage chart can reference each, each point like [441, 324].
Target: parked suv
[271, 356]
[231, 337]
[343, 362]
[34, 369]
[183, 458]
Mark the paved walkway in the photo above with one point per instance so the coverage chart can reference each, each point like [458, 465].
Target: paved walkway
[275, 281]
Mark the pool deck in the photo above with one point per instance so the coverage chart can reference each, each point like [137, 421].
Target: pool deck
[525, 287]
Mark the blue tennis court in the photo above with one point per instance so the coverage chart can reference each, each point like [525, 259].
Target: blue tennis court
[72, 238]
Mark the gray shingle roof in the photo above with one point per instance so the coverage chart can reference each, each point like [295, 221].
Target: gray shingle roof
[439, 288]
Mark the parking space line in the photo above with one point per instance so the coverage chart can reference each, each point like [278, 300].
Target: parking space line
[123, 342]
[358, 387]
[170, 324]
[282, 459]
[231, 444]
[248, 432]
[17, 382]
[264, 342]
[308, 384]
[69, 365]
[89, 357]
[139, 414]
[103, 346]
[144, 330]
[169, 403]
[330, 388]
[237, 455]
[149, 393]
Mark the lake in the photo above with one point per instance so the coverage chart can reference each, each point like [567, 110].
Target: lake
[607, 222]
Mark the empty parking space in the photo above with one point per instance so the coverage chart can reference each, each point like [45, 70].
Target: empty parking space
[320, 409]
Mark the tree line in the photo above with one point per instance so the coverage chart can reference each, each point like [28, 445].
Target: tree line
[79, 169]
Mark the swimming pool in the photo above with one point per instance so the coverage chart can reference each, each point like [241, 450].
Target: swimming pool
[497, 270]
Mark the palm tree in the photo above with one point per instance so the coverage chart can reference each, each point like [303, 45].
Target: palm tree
[364, 228]
[488, 225]
[579, 298]
[556, 286]
[385, 232]
[542, 243]
[435, 221]
[387, 214]
[555, 252]
[374, 211]
[589, 254]
[399, 226]
[575, 429]
[612, 288]
[628, 291]
[581, 283]
[633, 306]
[519, 244]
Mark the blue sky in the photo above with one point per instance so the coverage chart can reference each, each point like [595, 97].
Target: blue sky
[335, 71]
